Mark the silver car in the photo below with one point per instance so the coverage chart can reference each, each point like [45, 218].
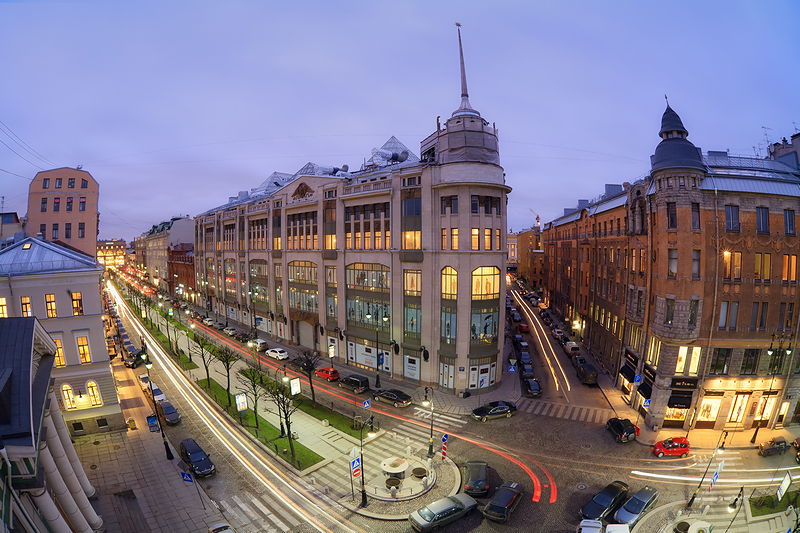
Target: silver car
[442, 512]
[636, 506]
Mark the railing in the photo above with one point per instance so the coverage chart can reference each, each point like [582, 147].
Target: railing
[367, 187]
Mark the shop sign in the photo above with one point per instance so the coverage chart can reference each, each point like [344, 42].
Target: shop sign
[684, 383]
[649, 373]
[631, 358]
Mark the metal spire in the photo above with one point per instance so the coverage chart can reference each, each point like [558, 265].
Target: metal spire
[465, 108]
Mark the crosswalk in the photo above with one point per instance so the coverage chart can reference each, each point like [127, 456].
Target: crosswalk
[589, 415]
[250, 513]
[440, 419]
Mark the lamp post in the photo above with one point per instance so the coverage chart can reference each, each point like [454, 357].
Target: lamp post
[735, 506]
[371, 433]
[385, 319]
[429, 403]
[710, 460]
[775, 369]
[148, 364]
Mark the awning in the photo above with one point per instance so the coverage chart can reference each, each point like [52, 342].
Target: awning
[645, 389]
[627, 372]
[680, 400]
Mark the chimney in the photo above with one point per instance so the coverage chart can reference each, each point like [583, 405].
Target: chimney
[613, 189]
[583, 203]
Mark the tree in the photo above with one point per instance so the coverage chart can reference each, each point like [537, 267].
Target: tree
[206, 355]
[308, 363]
[228, 358]
[278, 393]
[252, 379]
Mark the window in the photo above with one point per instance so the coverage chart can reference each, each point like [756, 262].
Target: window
[695, 215]
[475, 204]
[449, 322]
[486, 283]
[672, 216]
[81, 230]
[59, 355]
[449, 204]
[695, 264]
[412, 240]
[672, 263]
[43, 230]
[487, 239]
[69, 399]
[58, 183]
[55, 231]
[50, 305]
[669, 311]
[77, 304]
[694, 362]
[762, 220]
[77, 427]
[94, 393]
[776, 362]
[46, 183]
[83, 349]
[762, 319]
[680, 366]
[732, 268]
[69, 204]
[789, 272]
[723, 315]
[720, 361]
[476, 239]
[449, 283]
[750, 362]
[44, 205]
[25, 304]
[56, 205]
[788, 221]
[3, 308]
[82, 203]
[454, 238]
[444, 238]
[763, 267]
[497, 240]
[733, 314]
[68, 230]
[84, 184]
[732, 218]
[653, 352]
[412, 207]
[70, 183]
[412, 282]
[693, 308]
[786, 316]
[412, 320]
[102, 422]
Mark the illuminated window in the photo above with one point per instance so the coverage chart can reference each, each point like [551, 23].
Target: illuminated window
[3, 308]
[732, 263]
[653, 352]
[59, 355]
[25, 303]
[330, 242]
[497, 239]
[69, 399]
[454, 239]
[476, 239]
[412, 240]
[77, 304]
[487, 239]
[94, 393]
[680, 366]
[449, 283]
[444, 238]
[789, 272]
[83, 349]
[412, 282]
[50, 304]
[485, 283]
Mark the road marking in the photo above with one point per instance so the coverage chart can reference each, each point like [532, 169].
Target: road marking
[234, 515]
[274, 519]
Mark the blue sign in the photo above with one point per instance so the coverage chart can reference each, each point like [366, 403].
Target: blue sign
[512, 369]
[355, 463]
[380, 358]
[187, 477]
[366, 404]
[646, 403]
[483, 382]
[445, 437]
[637, 379]
[715, 477]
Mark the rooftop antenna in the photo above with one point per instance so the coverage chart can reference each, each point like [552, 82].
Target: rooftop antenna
[666, 99]
[794, 124]
[2, 210]
[756, 151]
[766, 135]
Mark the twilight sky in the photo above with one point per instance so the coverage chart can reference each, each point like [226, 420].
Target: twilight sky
[174, 106]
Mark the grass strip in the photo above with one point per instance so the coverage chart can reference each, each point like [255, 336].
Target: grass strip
[763, 505]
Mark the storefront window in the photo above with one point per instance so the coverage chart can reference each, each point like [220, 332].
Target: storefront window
[486, 283]
[330, 309]
[483, 325]
[672, 413]
[303, 299]
[709, 409]
[367, 312]
[448, 325]
[412, 315]
[412, 282]
[367, 277]
[694, 362]
[449, 283]
[303, 272]
[737, 409]
[766, 404]
[681, 364]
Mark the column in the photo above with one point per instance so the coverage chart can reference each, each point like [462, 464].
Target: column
[69, 509]
[49, 512]
[68, 474]
[66, 442]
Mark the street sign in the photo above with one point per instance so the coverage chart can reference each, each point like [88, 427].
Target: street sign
[366, 404]
[445, 437]
[512, 369]
[784, 486]
[357, 472]
[380, 359]
[355, 463]
[482, 382]
[646, 403]
[294, 386]
[241, 402]
[187, 477]
[354, 452]
[512, 361]
[637, 379]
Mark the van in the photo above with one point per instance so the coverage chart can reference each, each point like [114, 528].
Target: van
[587, 374]
[260, 345]
[572, 349]
[354, 382]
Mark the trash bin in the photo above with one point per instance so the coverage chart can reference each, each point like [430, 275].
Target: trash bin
[466, 394]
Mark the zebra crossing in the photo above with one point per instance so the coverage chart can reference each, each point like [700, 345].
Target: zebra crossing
[440, 419]
[250, 513]
[589, 415]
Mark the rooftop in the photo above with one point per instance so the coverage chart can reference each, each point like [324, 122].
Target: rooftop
[36, 256]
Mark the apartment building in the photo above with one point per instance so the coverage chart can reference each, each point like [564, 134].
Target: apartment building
[152, 248]
[111, 253]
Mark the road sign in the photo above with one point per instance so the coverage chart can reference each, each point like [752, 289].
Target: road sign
[784, 486]
[187, 477]
[512, 361]
[445, 437]
[483, 381]
[637, 379]
[357, 472]
[366, 404]
[355, 463]
[512, 369]
[646, 403]
[241, 402]
[380, 359]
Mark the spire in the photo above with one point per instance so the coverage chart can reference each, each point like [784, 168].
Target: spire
[465, 108]
[670, 121]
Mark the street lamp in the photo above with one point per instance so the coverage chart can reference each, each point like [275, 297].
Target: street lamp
[710, 460]
[429, 403]
[734, 504]
[775, 369]
[370, 434]
[148, 364]
[385, 319]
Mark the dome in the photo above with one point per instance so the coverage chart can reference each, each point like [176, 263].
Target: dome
[670, 121]
[676, 153]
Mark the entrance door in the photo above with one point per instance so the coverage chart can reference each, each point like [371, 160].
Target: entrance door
[736, 415]
[446, 375]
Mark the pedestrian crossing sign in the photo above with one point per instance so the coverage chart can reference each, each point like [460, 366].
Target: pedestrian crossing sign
[366, 404]
[445, 437]
[355, 463]
[187, 477]
[646, 403]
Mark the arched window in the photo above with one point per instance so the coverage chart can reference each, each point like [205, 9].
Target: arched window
[486, 283]
[449, 283]
[94, 393]
[69, 399]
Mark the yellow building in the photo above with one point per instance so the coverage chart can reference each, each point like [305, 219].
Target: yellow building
[111, 253]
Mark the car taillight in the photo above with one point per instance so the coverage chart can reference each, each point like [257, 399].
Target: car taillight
[466, 487]
[488, 487]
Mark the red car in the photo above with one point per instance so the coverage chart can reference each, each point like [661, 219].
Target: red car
[523, 328]
[676, 446]
[329, 373]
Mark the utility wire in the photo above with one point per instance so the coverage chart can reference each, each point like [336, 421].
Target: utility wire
[20, 155]
[15, 174]
[28, 148]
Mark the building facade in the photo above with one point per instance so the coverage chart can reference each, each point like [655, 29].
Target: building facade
[63, 206]
[512, 260]
[180, 272]
[687, 279]
[395, 268]
[111, 253]
[531, 256]
[152, 248]
[61, 288]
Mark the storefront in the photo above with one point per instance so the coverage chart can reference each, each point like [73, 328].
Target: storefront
[627, 374]
[763, 410]
[644, 391]
[679, 402]
[482, 373]
[368, 358]
[709, 409]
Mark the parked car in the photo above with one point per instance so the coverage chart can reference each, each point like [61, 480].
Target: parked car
[587, 374]
[525, 358]
[260, 345]
[563, 339]
[158, 395]
[676, 446]
[497, 409]
[395, 397]
[596, 526]
[354, 382]
[229, 330]
[523, 347]
[329, 373]
[505, 500]
[278, 353]
[442, 512]
[194, 456]
[515, 340]
[543, 312]
[578, 360]
[169, 413]
[523, 328]
[219, 325]
[638, 504]
[208, 321]
[296, 363]
[573, 349]
[622, 429]
[135, 359]
[778, 445]
[221, 527]
[557, 333]
[531, 388]
[475, 475]
[526, 371]
[144, 381]
[516, 317]
[605, 502]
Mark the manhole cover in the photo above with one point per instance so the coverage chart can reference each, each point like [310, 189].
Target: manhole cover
[96, 443]
[93, 467]
[581, 486]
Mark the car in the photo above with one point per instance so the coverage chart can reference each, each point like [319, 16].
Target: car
[562, 340]
[525, 358]
[497, 409]
[208, 321]
[395, 397]
[168, 412]
[506, 498]
[605, 502]
[354, 382]
[516, 339]
[197, 459]
[523, 328]
[543, 312]
[230, 331]
[221, 527]
[241, 336]
[557, 333]
[278, 353]
[296, 363]
[523, 347]
[638, 504]
[572, 349]
[676, 446]
[135, 359]
[513, 310]
[578, 360]
[158, 395]
[442, 512]
[526, 371]
[329, 373]
[778, 445]
[596, 526]
[475, 475]
[260, 345]
[144, 381]
[516, 317]
[587, 374]
[622, 429]
[531, 388]
[219, 325]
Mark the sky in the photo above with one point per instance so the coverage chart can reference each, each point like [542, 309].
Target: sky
[174, 106]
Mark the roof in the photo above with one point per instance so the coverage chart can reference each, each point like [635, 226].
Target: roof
[392, 151]
[36, 256]
[677, 152]
[9, 218]
[670, 121]
[163, 226]
[752, 185]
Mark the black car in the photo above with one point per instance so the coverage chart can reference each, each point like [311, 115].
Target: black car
[526, 371]
[605, 502]
[516, 339]
[531, 388]
[355, 383]
[475, 476]
[543, 312]
[498, 409]
[296, 363]
[778, 445]
[505, 500]
[622, 429]
[516, 317]
[136, 359]
[194, 456]
[168, 411]
[525, 358]
[395, 397]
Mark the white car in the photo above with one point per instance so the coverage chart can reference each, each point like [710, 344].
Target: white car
[230, 330]
[144, 382]
[219, 325]
[221, 527]
[261, 345]
[596, 526]
[158, 395]
[208, 321]
[278, 353]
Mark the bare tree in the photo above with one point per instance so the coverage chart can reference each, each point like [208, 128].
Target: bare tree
[206, 355]
[278, 393]
[308, 363]
[228, 358]
[252, 380]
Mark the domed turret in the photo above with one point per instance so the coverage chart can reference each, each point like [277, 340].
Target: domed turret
[675, 150]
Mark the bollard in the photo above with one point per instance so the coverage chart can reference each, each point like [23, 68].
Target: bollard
[425, 481]
[393, 490]
[409, 451]
[430, 463]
